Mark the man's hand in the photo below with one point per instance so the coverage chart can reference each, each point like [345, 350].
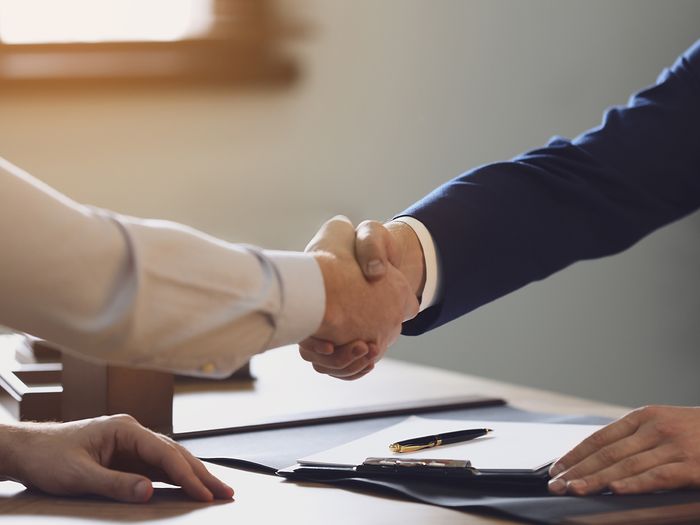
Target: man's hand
[378, 246]
[361, 318]
[650, 449]
[110, 456]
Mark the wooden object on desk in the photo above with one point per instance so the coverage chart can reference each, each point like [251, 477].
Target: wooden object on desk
[91, 389]
[30, 379]
[39, 383]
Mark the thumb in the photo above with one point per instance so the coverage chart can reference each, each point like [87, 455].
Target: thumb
[375, 248]
[121, 486]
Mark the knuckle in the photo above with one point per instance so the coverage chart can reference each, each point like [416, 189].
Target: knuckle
[369, 224]
[595, 482]
[121, 420]
[648, 411]
[608, 455]
[115, 486]
[665, 429]
[319, 368]
[683, 455]
[597, 440]
[661, 476]
[305, 355]
[631, 464]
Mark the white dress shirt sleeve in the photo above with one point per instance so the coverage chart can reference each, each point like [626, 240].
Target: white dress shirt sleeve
[141, 292]
[431, 289]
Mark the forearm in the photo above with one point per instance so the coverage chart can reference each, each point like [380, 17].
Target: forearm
[502, 226]
[145, 293]
[12, 441]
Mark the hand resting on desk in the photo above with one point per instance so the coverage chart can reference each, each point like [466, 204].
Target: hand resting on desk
[650, 449]
[111, 456]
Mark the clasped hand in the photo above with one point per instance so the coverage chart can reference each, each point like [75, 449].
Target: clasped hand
[370, 290]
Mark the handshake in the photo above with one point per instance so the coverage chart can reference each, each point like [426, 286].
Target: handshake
[373, 277]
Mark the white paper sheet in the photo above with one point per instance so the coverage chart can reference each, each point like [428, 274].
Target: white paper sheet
[511, 446]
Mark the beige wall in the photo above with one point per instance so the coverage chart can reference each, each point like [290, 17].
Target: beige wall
[397, 97]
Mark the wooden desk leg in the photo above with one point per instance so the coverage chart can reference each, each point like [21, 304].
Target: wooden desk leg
[91, 389]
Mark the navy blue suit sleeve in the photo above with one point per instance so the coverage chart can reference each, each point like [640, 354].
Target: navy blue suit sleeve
[504, 225]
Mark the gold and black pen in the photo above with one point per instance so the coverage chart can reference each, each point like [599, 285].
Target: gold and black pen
[413, 444]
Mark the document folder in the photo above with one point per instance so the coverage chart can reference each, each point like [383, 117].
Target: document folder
[438, 471]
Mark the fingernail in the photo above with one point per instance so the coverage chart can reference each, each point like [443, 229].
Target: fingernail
[556, 469]
[359, 351]
[557, 485]
[577, 485]
[375, 267]
[141, 490]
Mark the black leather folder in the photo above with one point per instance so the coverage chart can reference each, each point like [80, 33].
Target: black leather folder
[455, 473]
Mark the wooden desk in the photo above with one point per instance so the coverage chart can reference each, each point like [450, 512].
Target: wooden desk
[286, 383]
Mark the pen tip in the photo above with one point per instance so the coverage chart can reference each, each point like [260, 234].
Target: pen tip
[488, 430]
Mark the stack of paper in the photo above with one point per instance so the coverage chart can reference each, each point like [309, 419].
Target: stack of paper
[510, 447]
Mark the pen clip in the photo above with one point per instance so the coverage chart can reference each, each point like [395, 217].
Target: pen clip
[397, 447]
[393, 463]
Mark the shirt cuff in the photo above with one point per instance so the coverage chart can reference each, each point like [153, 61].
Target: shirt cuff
[302, 296]
[431, 290]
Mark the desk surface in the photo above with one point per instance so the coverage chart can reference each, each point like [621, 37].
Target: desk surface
[287, 384]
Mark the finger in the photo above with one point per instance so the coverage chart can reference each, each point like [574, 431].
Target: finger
[615, 431]
[631, 465]
[411, 308]
[375, 249]
[316, 345]
[342, 357]
[360, 374]
[664, 477]
[335, 233]
[349, 371]
[146, 445]
[375, 351]
[218, 488]
[121, 486]
[606, 457]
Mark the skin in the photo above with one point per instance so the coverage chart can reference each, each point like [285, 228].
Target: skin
[399, 252]
[110, 456]
[362, 317]
[652, 448]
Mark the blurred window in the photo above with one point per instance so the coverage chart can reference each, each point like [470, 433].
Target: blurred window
[66, 21]
[144, 40]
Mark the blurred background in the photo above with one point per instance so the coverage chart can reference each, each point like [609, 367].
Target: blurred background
[257, 120]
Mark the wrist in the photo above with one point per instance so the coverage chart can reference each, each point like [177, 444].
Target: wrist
[327, 262]
[13, 440]
[412, 260]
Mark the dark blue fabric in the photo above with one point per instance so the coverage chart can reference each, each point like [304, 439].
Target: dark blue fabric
[501, 226]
